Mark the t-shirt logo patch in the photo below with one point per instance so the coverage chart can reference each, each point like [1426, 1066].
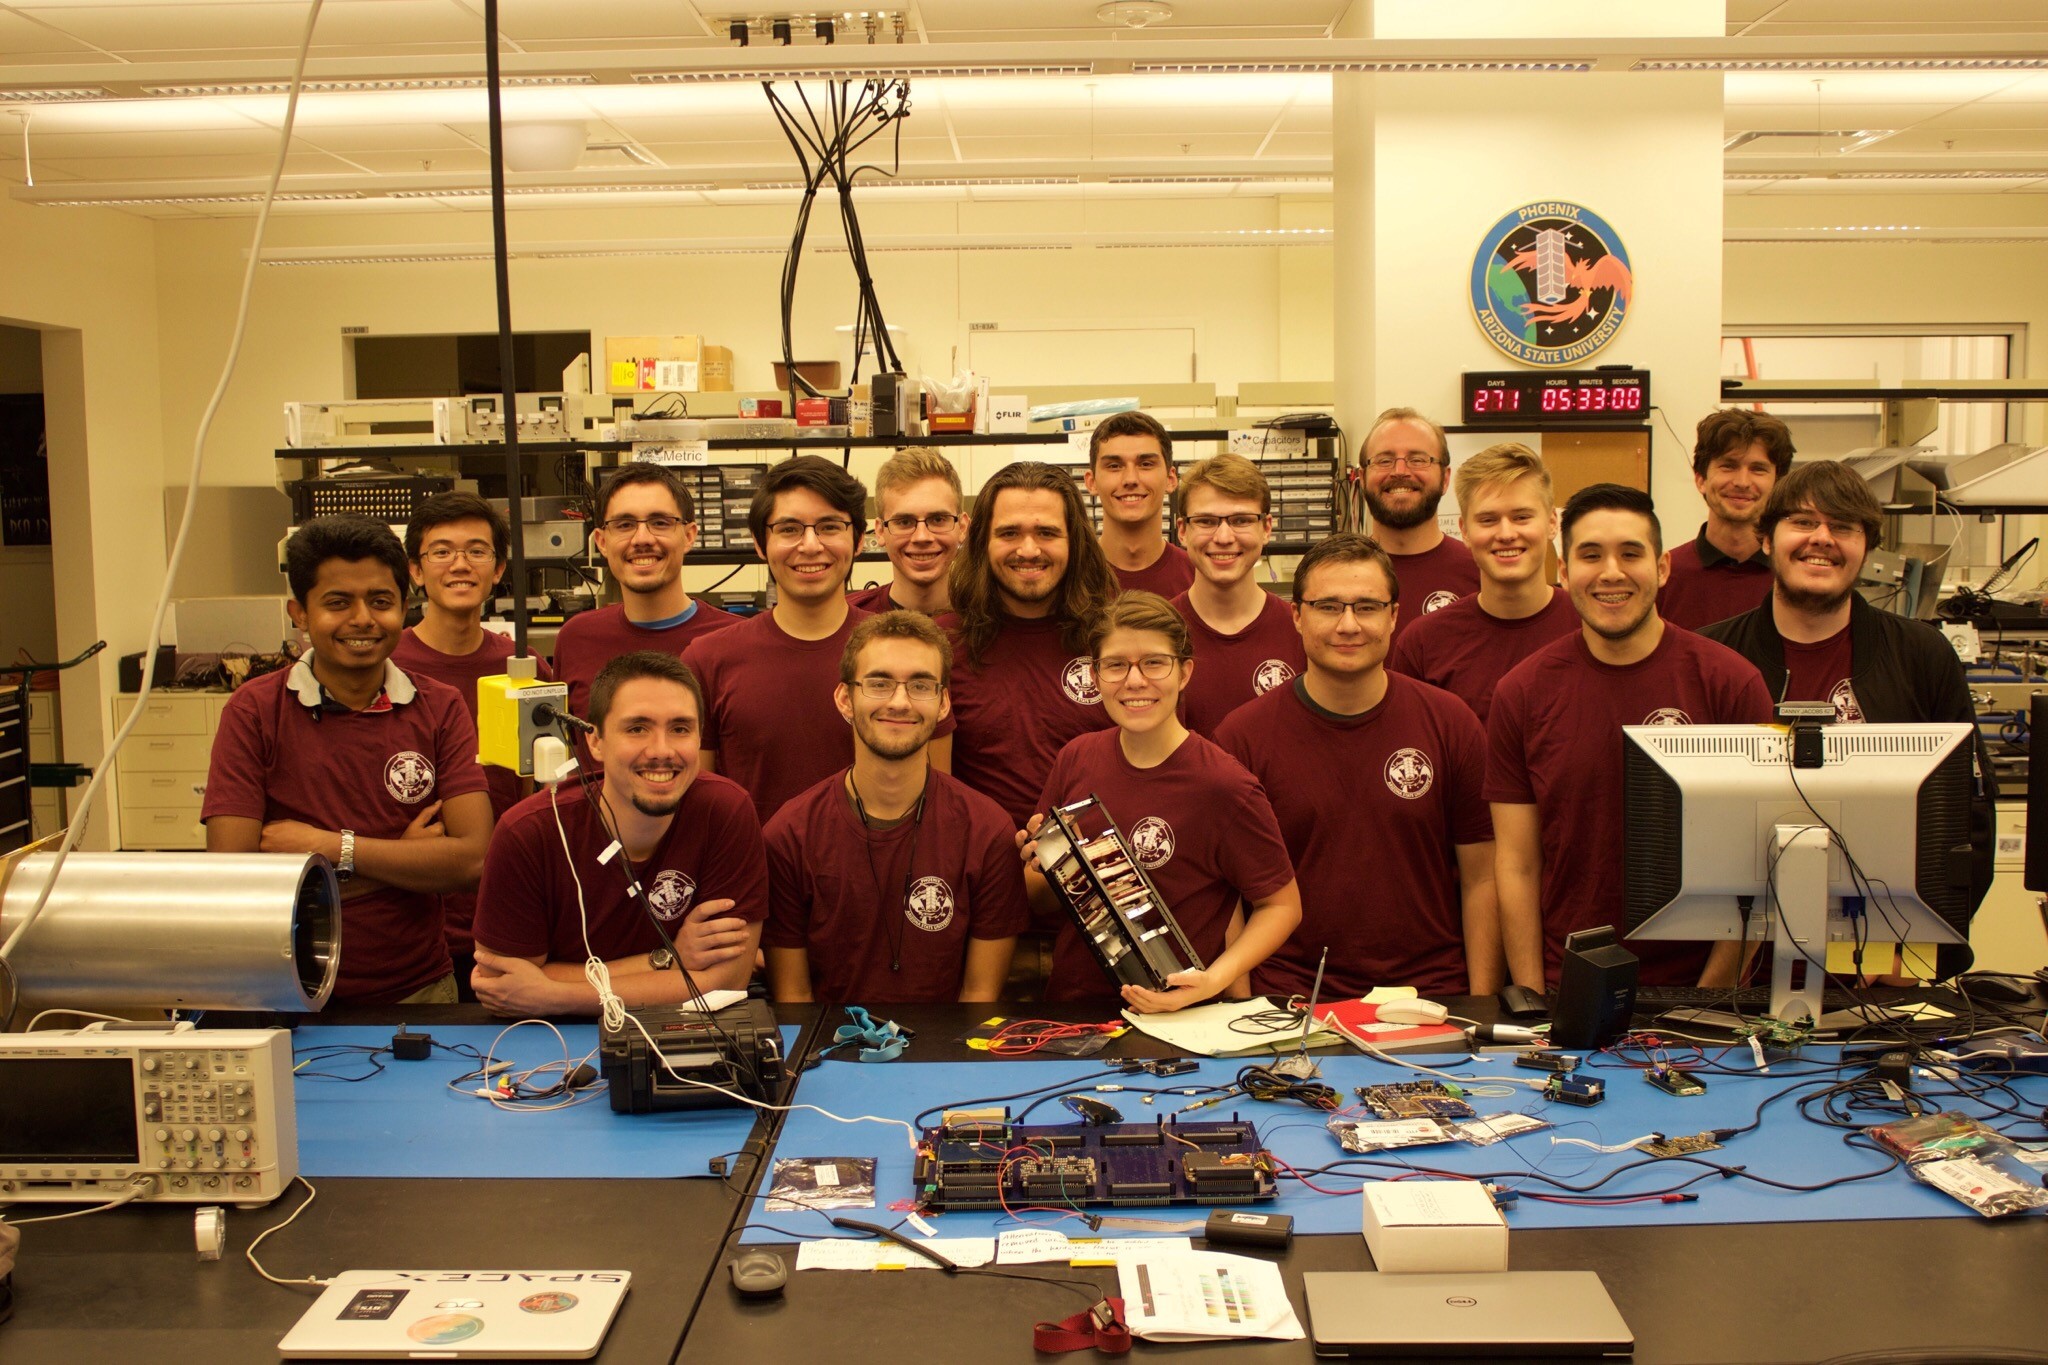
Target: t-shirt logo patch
[1271, 674]
[930, 905]
[1078, 682]
[1846, 708]
[671, 894]
[409, 777]
[1409, 773]
[1438, 600]
[1667, 715]
[1152, 837]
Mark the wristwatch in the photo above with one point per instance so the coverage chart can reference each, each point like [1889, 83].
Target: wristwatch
[346, 868]
[661, 959]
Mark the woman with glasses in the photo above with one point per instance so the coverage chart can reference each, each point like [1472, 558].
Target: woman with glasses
[1200, 824]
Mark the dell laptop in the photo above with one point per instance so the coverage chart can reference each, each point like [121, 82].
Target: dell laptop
[1519, 1313]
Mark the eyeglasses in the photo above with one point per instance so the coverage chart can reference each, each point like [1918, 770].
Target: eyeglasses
[1237, 521]
[1412, 461]
[792, 530]
[1332, 609]
[1805, 523]
[1156, 667]
[903, 524]
[660, 524]
[444, 554]
[878, 688]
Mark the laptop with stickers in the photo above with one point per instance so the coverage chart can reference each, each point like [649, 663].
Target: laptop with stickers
[459, 1315]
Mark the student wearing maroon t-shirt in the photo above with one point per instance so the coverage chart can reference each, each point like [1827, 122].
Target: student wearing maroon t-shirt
[646, 524]
[1130, 472]
[769, 722]
[1200, 824]
[1407, 461]
[1816, 639]
[1737, 457]
[1244, 639]
[455, 546]
[346, 756]
[891, 882]
[1508, 517]
[556, 893]
[917, 519]
[1554, 769]
[1368, 770]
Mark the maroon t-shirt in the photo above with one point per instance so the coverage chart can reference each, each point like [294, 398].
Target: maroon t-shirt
[527, 904]
[1170, 575]
[589, 640]
[1706, 586]
[1433, 580]
[1373, 807]
[1823, 671]
[874, 599]
[1203, 831]
[1232, 669]
[461, 672]
[1017, 709]
[886, 916]
[371, 771]
[1554, 741]
[1467, 652]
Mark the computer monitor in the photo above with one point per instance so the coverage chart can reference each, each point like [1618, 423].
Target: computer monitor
[1870, 846]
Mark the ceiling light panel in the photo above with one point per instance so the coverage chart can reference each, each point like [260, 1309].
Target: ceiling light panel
[51, 94]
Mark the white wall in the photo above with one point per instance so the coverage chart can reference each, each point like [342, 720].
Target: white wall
[87, 279]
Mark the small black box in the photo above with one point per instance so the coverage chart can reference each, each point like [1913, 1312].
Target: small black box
[1238, 1228]
[1596, 990]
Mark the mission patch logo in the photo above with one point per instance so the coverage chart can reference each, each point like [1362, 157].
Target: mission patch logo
[1551, 284]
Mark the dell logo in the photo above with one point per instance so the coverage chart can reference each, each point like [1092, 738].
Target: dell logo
[1462, 1301]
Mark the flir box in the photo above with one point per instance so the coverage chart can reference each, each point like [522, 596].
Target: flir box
[1440, 1226]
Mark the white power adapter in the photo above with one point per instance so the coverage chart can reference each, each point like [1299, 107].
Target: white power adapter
[551, 760]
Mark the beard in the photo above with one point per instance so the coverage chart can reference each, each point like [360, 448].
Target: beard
[893, 747]
[1814, 603]
[648, 805]
[1623, 632]
[1403, 520]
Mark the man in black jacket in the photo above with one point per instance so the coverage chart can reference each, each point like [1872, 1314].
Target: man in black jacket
[1816, 639]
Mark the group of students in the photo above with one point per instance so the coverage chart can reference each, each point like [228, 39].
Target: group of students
[1413, 767]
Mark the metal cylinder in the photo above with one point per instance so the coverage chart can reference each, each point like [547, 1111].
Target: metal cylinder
[190, 931]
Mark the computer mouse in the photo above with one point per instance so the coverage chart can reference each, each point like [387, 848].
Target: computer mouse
[1418, 1012]
[1519, 1002]
[758, 1274]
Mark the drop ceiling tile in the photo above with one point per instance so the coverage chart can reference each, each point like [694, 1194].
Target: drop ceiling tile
[195, 168]
[160, 28]
[24, 40]
[451, 161]
[663, 21]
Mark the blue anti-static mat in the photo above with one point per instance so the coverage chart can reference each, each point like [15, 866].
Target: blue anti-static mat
[1786, 1148]
[407, 1122]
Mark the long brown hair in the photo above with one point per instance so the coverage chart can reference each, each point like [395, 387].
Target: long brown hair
[1085, 588]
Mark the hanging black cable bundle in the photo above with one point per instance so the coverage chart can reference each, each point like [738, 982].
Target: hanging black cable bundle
[825, 140]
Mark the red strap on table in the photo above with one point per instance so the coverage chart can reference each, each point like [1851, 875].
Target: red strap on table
[1101, 1327]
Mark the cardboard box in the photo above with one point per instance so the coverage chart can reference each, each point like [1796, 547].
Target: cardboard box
[715, 371]
[1443, 1226]
[655, 364]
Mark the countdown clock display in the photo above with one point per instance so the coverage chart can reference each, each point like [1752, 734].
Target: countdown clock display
[1518, 398]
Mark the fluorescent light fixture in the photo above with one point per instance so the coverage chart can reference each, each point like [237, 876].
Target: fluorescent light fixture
[511, 191]
[53, 94]
[936, 182]
[848, 72]
[1846, 64]
[1218, 180]
[1309, 67]
[126, 201]
[222, 89]
[1951, 236]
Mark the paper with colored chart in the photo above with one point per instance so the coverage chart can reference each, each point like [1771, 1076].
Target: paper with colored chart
[1204, 1295]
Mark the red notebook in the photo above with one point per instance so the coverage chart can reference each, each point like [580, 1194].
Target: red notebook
[1354, 1019]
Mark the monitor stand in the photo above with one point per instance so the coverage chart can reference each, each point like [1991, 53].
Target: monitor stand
[1799, 861]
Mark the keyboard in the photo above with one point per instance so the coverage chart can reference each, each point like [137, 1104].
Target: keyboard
[1743, 999]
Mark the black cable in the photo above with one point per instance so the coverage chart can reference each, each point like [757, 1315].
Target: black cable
[1087, 1081]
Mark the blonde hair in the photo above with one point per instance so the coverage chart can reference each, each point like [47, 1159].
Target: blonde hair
[1443, 444]
[1500, 465]
[914, 464]
[1140, 610]
[1231, 475]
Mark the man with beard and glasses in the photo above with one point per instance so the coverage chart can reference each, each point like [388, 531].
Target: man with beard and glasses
[556, 893]
[1737, 457]
[1816, 639]
[1406, 463]
[891, 881]
[1554, 765]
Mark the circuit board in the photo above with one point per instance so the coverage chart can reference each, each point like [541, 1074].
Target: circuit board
[1681, 1146]
[1415, 1100]
[977, 1164]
